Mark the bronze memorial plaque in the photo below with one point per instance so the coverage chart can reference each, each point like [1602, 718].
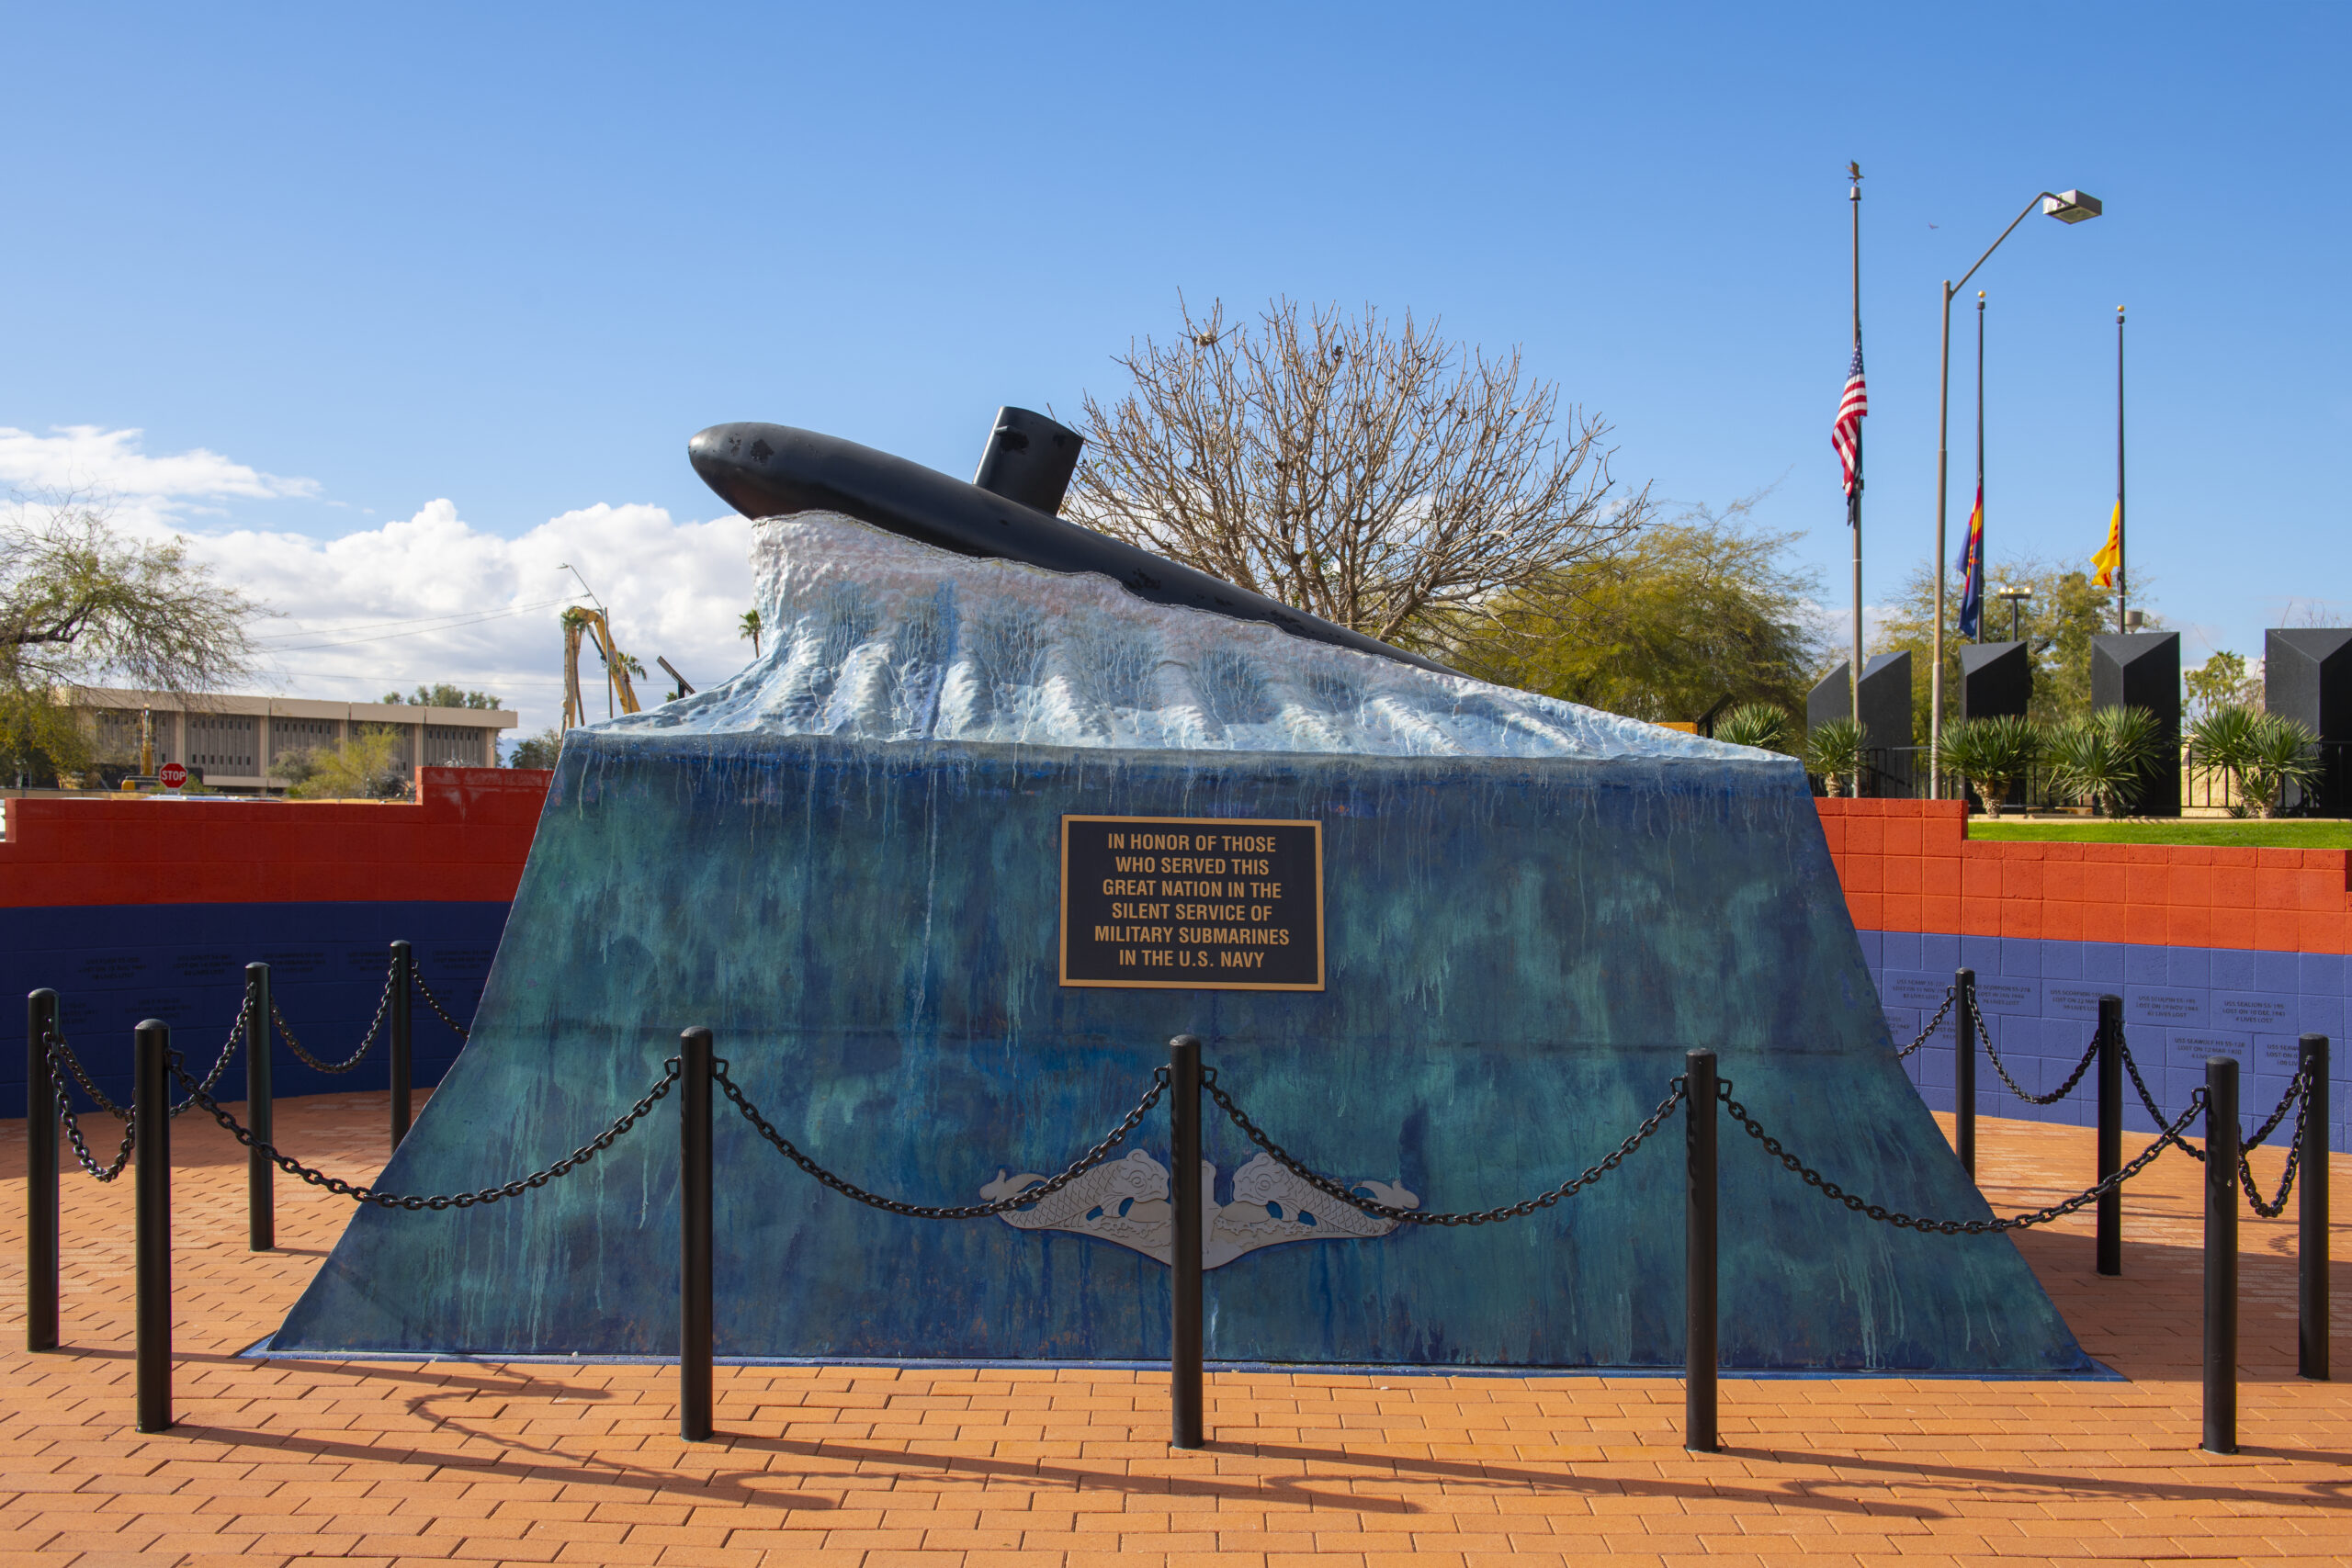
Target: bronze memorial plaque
[1193, 903]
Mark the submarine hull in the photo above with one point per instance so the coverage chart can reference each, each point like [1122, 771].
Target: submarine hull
[771, 470]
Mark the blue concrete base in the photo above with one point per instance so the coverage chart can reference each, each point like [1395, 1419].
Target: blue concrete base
[2181, 1005]
[1520, 954]
[113, 965]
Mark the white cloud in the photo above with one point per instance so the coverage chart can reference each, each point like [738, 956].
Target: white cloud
[85, 460]
[432, 598]
[427, 599]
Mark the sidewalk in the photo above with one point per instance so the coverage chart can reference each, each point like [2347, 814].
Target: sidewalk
[276, 1462]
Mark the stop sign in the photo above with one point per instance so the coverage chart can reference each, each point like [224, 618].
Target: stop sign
[174, 774]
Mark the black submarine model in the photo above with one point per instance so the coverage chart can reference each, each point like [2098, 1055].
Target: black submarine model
[1006, 512]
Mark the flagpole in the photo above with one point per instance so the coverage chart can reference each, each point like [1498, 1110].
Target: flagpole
[1854, 499]
[2122, 591]
[1976, 542]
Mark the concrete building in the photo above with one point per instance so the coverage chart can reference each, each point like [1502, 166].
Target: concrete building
[229, 742]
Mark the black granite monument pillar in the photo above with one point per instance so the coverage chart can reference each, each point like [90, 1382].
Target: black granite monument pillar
[2307, 675]
[1996, 680]
[1886, 717]
[2142, 670]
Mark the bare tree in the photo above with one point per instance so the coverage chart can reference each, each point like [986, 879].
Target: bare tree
[1391, 481]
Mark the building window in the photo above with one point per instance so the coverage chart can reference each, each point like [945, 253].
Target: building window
[117, 740]
[454, 746]
[226, 744]
[288, 735]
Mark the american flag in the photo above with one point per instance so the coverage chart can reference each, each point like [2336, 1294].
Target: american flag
[1847, 434]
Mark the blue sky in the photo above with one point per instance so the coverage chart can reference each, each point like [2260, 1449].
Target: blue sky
[513, 257]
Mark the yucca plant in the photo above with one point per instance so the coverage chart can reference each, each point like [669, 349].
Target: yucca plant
[2222, 741]
[1990, 754]
[1838, 750]
[2280, 751]
[2105, 758]
[1756, 724]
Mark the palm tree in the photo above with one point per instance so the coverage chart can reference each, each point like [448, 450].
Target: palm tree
[2106, 757]
[2279, 752]
[1991, 754]
[1835, 749]
[749, 627]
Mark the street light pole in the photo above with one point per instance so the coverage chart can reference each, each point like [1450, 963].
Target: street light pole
[2067, 207]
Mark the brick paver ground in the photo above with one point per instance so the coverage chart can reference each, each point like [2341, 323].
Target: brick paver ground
[406, 1462]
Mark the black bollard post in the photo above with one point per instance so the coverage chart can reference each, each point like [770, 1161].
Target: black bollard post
[403, 984]
[2311, 1230]
[152, 1235]
[261, 1195]
[40, 1174]
[1699, 1353]
[1184, 1396]
[1964, 1067]
[693, 1235]
[2220, 1255]
[2110, 1132]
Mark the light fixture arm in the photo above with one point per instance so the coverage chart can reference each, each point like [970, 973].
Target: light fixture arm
[1952, 288]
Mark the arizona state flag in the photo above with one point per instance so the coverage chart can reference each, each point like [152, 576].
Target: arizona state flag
[1971, 571]
[2110, 554]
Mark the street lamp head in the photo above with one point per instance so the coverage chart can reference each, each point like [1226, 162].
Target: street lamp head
[2013, 594]
[2071, 206]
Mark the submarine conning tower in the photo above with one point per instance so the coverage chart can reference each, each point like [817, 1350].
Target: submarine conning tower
[1008, 512]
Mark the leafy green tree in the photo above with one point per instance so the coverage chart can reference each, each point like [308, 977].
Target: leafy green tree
[78, 602]
[536, 751]
[750, 626]
[2107, 756]
[1686, 614]
[2221, 683]
[441, 694]
[366, 766]
[2066, 611]
[1990, 754]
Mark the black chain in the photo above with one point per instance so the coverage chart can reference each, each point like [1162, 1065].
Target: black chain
[1951, 994]
[57, 1058]
[2299, 1096]
[229, 1049]
[1677, 1089]
[367, 1042]
[61, 1056]
[1830, 1189]
[1020, 1199]
[515, 1188]
[1985, 1037]
[459, 1030]
[2149, 1100]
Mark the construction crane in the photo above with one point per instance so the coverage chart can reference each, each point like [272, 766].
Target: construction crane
[577, 621]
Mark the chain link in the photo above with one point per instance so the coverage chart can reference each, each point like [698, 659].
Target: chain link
[1678, 1087]
[1951, 994]
[438, 1203]
[1985, 1037]
[1831, 1190]
[1021, 1199]
[459, 1030]
[367, 1042]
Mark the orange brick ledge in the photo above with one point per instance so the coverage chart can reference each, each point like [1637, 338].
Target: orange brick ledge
[1908, 865]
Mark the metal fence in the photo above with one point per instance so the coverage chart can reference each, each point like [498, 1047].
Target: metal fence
[1901, 772]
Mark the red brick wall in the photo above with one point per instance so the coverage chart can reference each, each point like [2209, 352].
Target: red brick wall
[464, 842]
[1908, 866]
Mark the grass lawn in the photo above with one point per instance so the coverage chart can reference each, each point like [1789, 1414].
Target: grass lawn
[2249, 831]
